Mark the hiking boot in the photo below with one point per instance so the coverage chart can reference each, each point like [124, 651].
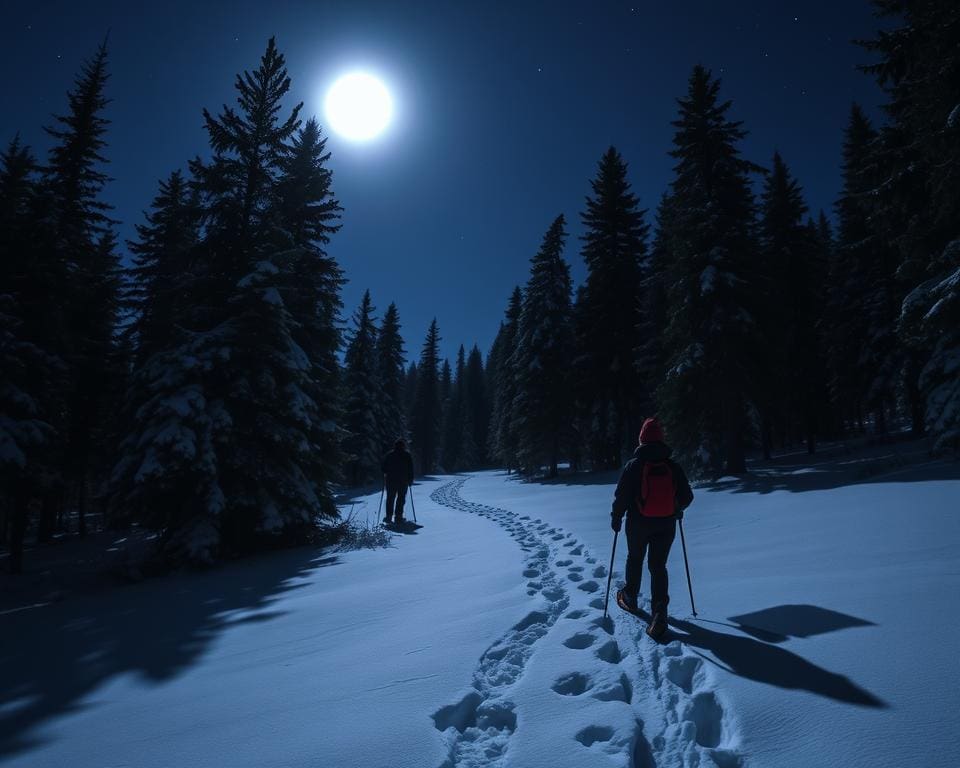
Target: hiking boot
[400, 520]
[657, 627]
[626, 601]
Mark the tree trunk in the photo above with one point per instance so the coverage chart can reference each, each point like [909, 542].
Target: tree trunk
[18, 529]
[881, 420]
[48, 518]
[736, 463]
[811, 435]
[766, 437]
[82, 507]
[915, 397]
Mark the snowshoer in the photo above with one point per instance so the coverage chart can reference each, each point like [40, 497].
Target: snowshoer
[397, 467]
[653, 492]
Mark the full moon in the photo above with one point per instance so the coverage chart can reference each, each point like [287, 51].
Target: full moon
[358, 106]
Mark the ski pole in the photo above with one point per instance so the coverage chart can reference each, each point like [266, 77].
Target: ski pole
[610, 572]
[382, 489]
[412, 505]
[686, 565]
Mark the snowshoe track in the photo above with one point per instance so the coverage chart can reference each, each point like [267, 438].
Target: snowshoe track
[676, 716]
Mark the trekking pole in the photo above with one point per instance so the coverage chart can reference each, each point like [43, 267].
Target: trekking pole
[382, 489]
[686, 565]
[610, 573]
[412, 505]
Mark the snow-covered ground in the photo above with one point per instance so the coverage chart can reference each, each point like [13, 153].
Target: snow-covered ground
[826, 637]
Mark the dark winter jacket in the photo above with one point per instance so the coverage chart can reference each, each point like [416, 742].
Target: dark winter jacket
[397, 467]
[628, 489]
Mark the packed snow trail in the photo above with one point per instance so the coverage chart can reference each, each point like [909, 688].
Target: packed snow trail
[621, 698]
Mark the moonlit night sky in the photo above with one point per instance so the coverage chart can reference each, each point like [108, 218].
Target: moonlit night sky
[501, 112]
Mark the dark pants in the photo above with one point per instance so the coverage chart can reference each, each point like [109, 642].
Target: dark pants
[396, 496]
[650, 537]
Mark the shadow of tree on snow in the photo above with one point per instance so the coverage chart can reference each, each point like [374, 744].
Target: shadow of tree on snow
[54, 656]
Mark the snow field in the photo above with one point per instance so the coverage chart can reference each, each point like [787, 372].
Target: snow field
[479, 640]
[566, 687]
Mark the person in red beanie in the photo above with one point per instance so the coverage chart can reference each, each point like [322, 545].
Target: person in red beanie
[653, 492]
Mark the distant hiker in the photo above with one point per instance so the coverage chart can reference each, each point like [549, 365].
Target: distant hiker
[397, 467]
[653, 492]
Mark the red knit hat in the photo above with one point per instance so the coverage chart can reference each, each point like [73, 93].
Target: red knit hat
[651, 431]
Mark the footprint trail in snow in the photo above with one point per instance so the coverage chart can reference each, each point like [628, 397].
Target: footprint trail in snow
[621, 698]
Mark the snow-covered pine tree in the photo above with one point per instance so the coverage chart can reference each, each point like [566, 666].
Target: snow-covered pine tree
[27, 372]
[390, 365]
[224, 452]
[614, 248]
[165, 472]
[363, 398]
[267, 469]
[426, 409]
[543, 405]
[787, 387]
[919, 69]
[710, 337]
[25, 432]
[79, 220]
[502, 437]
[313, 280]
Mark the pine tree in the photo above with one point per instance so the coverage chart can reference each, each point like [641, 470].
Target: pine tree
[234, 440]
[162, 254]
[410, 392]
[788, 387]
[451, 409]
[83, 243]
[652, 311]
[543, 405]
[390, 369]
[918, 160]
[863, 354]
[27, 371]
[614, 248]
[462, 421]
[477, 409]
[309, 215]
[711, 331]
[426, 409]
[363, 397]
[502, 436]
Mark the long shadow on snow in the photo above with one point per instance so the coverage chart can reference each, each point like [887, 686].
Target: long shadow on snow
[773, 665]
[55, 656]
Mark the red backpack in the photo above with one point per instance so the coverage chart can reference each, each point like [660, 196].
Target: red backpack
[656, 490]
